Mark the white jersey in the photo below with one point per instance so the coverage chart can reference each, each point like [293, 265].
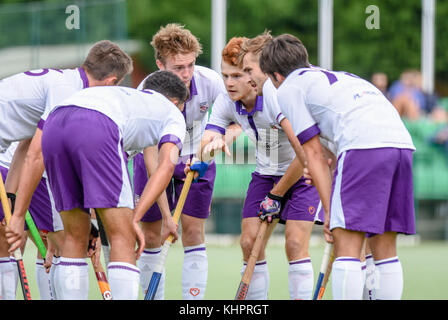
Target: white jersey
[262, 125]
[205, 87]
[24, 97]
[6, 157]
[344, 109]
[144, 117]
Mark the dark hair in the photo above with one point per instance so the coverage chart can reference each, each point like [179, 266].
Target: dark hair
[168, 84]
[284, 54]
[106, 58]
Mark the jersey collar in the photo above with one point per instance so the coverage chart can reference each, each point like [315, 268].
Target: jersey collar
[85, 80]
[242, 110]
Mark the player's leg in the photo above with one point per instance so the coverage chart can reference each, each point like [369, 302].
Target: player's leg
[150, 256]
[48, 221]
[72, 274]
[259, 284]
[259, 187]
[195, 266]
[389, 284]
[300, 213]
[8, 267]
[300, 272]
[347, 278]
[151, 225]
[194, 214]
[123, 274]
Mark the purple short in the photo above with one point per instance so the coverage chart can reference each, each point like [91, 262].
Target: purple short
[43, 213]
[301, 201]
[84, 159]
[199, 196]
[373, 191]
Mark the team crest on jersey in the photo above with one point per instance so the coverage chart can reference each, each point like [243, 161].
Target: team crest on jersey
[311, 210]
[273, 125]
[194, 291]
[204, 107]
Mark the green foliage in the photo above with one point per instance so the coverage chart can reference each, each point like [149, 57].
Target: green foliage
[394, 47]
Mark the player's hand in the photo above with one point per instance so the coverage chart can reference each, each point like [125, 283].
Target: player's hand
[140, 239]
[309, 178]
[15, 233]
[169, 227]
[327, 233]
[270, 208]
[216, 144]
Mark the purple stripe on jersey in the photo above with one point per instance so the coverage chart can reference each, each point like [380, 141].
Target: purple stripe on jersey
[300, 261]
[258, 107]
[386, 262]
[123, 268]
[171, 138]
[307, 134]
[193, 89]
[85, 80]
[278, 116]
[195, 249]
[40, 124]
[193, 92]
[216, 128]
[252, 125]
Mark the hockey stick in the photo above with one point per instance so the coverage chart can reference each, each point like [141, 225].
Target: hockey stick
[35, 234]
[17, 253]
[326, 276]
[323, 268]
[247, 276]
[155, 278]
[104, 241]
[102, 280]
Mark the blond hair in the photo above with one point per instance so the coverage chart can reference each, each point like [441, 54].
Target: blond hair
[106, 58]
[254, 45]
[174, 39]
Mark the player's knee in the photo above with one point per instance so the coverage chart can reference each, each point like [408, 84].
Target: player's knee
[295, 248]
[246, 243]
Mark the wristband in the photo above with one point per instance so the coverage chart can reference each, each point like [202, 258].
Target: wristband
[11, 196]
[274, 197]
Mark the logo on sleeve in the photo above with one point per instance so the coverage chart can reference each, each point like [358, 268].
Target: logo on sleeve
[203, 106]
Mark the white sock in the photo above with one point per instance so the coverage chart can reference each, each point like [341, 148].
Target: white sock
[370, 279]
[72, 279]
[259, 284]
[194, 272]
[148, 260]
[53, 267]
[300, 279]
[347, 280]
[43, 281]
[390, 279]
[124, 280]
[9, 278]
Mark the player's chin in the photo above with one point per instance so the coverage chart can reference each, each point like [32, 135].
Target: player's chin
[235, 95]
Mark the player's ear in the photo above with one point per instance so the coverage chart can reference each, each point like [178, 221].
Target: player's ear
[160, 65]
[111, 80]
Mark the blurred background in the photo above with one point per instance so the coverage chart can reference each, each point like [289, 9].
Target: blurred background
[401, 46]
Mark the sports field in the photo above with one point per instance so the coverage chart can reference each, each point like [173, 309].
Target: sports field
[424, 266]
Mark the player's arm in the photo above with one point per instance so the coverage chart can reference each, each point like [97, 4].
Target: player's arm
[13, 177]
[319, 170]
[159, 179]
[151, 157]
[32, 171]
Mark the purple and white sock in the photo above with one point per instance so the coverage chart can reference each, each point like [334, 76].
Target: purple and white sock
[300, 279]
